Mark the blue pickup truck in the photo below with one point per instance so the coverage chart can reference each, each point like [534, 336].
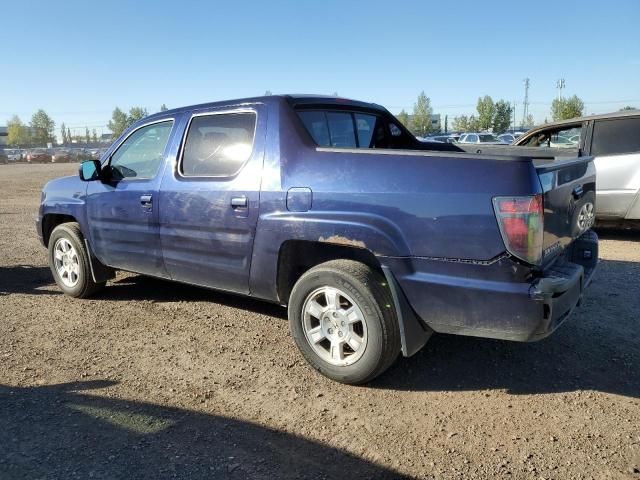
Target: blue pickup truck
[371, 238]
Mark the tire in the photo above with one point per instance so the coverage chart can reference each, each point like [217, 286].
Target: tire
[319, 329]
[67, 251]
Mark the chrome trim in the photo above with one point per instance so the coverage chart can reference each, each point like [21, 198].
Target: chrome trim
[179, 158]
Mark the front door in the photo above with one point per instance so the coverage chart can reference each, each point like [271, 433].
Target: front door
[209, 200]
[122, 209]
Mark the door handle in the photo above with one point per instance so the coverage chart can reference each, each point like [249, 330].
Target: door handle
[146, 201]
[239, 202]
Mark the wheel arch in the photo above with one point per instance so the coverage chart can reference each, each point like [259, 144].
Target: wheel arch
[51, 221]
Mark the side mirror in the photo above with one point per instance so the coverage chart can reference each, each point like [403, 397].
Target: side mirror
[90, 170]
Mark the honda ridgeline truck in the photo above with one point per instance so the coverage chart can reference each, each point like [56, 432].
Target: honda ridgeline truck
[372, 239]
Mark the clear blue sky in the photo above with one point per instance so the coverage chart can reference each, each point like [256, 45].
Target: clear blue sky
[80, 59]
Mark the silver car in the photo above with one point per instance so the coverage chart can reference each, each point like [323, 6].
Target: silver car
[614, 141]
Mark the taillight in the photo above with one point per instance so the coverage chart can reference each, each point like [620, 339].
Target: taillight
[521, 222]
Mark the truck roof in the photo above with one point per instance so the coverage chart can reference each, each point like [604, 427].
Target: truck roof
[293, 99]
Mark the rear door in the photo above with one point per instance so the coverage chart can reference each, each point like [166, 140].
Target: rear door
[123, 211]
[209, 199]
[615, 145]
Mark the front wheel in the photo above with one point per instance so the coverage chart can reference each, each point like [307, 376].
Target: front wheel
[342, 319]
[69, 262]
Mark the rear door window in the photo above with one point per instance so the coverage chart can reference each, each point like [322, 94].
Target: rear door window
[615, 137]
[218, 145]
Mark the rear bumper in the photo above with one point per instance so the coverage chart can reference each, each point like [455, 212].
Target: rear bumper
[464, 299]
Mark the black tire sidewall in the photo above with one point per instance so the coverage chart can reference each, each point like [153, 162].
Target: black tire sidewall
[366, 366]
[84, 270]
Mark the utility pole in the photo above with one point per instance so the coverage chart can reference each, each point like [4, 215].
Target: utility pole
[514, 116]
[560, 85]
[525, 107]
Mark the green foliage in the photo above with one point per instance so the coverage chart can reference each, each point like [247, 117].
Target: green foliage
[566, 108]
[87, 135]
[42, 127]
[628, 107]
[421, 121]
[501, 117]
[94, 136]
[486, 111]
[135, 114]
[460, 124]
[403, 118]
[63, 132]
[163, 108]
[17, 133]
[118, 123]
[267, 93]
[68, 135]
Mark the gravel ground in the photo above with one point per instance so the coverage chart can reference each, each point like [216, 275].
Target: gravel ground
[157, 380]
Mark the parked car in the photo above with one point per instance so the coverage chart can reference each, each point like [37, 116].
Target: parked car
[507, 138]
[442, 138]
[62, 155]
[330, 206]
[13, 155]
[4, 158]
[614, 141]
[484, 138]
[38, 155]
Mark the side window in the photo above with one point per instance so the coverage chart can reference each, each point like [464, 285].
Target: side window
[611, 137]
[218, 145]
[141, 153]
[472, 138]
[566, 137]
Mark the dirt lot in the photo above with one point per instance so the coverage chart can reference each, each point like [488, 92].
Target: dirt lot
[157, 380]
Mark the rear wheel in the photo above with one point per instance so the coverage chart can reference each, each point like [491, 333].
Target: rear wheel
[69, 262]
[342, 319]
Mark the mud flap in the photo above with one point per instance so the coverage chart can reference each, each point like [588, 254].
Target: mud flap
[413, 333]
[99, 271]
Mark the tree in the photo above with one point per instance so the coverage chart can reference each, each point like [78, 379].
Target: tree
[94, 136]
[118, 123]
[460, 124]
[135, 114]
[529, 122]
[163, 108]
[502, 117]
[267, 93]
[63, 132]
[474, 124]
[421, 121]
[42, 127]
[403, 118]
[628, 107]
[69, 139]
[87, 135]
[17, 133]
[565, 108]
[486, 111]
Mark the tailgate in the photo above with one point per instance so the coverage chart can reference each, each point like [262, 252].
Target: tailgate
[569, 188]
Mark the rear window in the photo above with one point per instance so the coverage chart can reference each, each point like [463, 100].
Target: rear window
[218, 145]
[614, 137]
[348, 129]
